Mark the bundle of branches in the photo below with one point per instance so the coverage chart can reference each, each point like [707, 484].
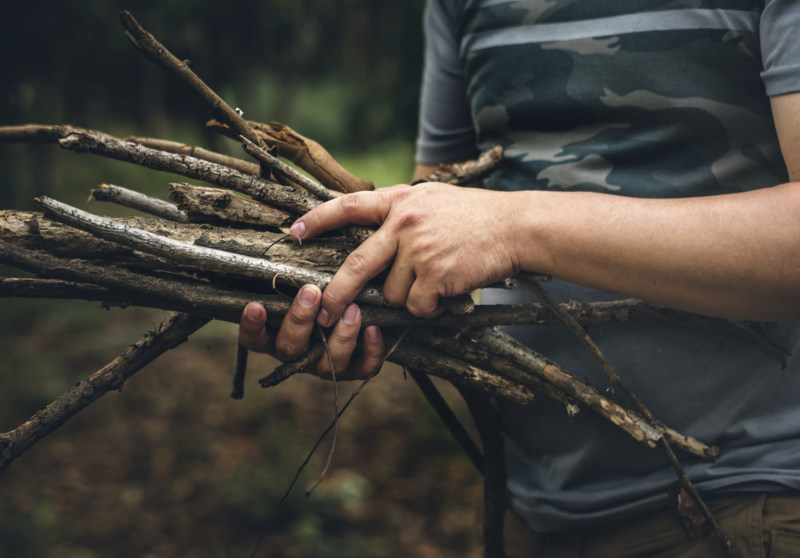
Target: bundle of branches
[215, 249]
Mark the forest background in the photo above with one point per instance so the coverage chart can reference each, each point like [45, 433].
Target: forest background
[172, 466]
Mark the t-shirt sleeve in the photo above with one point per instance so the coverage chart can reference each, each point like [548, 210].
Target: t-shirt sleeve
[780, 46]
[445, 132]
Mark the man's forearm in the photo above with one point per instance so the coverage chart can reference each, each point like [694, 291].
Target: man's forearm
[735, 256]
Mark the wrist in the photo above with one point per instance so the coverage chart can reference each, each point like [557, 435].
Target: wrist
[531, 225]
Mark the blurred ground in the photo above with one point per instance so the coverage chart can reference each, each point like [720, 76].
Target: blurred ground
[171, 466]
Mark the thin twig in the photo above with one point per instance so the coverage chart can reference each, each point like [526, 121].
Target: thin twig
[241, 165]
[324, 434]
[468, 173]
[288, 173]
[448, 417]
[136, 200]
[240, 371]
[158, 53]
[332, 371]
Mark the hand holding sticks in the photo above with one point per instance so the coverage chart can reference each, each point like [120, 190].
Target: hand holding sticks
[151, 268]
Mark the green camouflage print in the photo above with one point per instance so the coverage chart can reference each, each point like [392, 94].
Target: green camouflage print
[574, 110]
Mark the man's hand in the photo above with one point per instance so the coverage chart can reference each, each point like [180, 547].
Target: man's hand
[438, 241]
[292, 339]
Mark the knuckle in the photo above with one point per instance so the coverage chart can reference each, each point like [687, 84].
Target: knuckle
[344, 340]
[298, 319]
[394, 298]
[357, 263]
[332, 299]
[351, 203]
[408, 220]
[339, 367]
[287, 351]
[423, 309]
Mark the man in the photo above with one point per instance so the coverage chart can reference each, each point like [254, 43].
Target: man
[650, 151]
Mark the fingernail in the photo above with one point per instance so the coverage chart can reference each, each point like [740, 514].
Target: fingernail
[251, 312]
[308, 296]
[323, 317]
[372, 333]
[350, 314]
[298, 229]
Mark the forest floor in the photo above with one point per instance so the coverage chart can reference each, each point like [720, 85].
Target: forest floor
[172, 466]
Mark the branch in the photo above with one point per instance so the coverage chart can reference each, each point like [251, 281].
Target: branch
[631, 422]
[115, 286]
[426, 360]
[82, 140]
[468, 172]
[302, 151]
[240, 165]
[110, 377]
[278, 195]
[158, 53]
[33, 230]
[221, 207]
[197, 257]
[136, 200]
[282, 170]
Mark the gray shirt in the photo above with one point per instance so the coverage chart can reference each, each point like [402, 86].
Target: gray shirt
[650, 99]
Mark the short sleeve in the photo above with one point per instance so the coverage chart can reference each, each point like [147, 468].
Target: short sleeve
[445, 132]
[779, 30]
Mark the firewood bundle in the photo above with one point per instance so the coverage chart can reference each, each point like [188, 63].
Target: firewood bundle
[210, 250]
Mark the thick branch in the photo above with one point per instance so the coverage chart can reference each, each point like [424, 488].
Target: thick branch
[128, 288]
[197, 257]
[222, 207]
[112, 376]
[277, 195]
[33, 230]
[90, 141]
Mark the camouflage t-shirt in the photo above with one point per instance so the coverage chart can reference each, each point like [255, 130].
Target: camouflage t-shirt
[653, 98]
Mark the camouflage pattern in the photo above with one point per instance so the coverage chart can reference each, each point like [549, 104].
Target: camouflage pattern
[579, 112]
[648, 98]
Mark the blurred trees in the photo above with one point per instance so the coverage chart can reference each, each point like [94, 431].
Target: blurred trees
[345, 73]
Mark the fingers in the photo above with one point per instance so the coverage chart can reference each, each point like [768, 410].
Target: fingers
[294, 334]
[399, 281]
[358, 208]
[423, 300]
[372, 355]
[252, 331]
[342, 345]
[363, 263]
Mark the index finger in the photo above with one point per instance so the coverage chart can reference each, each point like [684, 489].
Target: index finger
[357, 208]
[362, 264]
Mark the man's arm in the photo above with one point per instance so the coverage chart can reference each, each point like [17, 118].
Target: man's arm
[734, 255]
